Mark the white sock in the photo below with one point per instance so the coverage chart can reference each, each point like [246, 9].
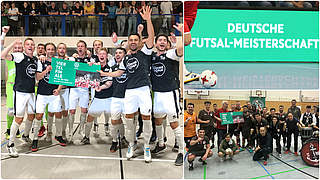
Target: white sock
[130, 131]
[164, 124]
[159, 132]
[27, 128]
[36, 128]
[87, 128]
[147, 132]
[58, 126]
[13, 131]
[121, 129]
[177, 133]
[83, 118]
[71, 121]
[64, 123]
[114, 131]
[106, 118]
[50, 123]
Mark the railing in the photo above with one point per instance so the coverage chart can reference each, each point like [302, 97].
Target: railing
[100, 21]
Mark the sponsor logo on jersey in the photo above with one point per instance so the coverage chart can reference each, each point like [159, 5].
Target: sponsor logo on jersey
[31, 70]
[122, 79]
[158, 69]
[132, 64]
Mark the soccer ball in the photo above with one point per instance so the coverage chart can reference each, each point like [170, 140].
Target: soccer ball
[208, 78]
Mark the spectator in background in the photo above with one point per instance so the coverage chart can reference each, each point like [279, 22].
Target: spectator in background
[24, 10]
[294, 109]
[301, 4]
[190, 121]
[65, 10]
[166, 8]
[4, 13]
[43, 19]
[121, 18]
[13, 19]
[77, 23]
[53, 20]
[34, 21]
[261, 3]
[91, 20]
[156, 18]
[132, 20]
[103, 10]
[112, 16]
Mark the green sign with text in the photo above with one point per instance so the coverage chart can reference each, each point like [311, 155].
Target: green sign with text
[231, 117]
[254, 35]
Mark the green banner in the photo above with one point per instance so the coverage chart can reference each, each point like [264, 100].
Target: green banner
[259, 102]
[254, 35]
[231, 117]
[70, 73]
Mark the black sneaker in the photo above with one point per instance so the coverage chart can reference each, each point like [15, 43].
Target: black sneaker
[191, 166]
[158, 148]
[34, 146]
[179, 160]
[85, 140]
[61, 141]
[203, 162]
[175, 147]
[26, 139]
[114, 147]
[124, 143]
[165, 139]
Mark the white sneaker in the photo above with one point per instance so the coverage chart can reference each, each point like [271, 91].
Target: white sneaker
[147, 155]
[191, 77]
[49, 137]
[130, 152]
[12, 150]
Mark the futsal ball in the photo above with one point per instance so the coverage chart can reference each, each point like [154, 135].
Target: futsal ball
[208, 78]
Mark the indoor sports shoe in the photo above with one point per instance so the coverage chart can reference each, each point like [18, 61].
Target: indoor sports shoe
[265, 163]
[106, 129]
[18, 135]
[12, 150]
[130, 151]
[124, 143]
[7, 134]
[114, 147]
[191, 77]
[179, 160]
[61, 141]
[147, 155]
[296, 154]
[41, 131]
[26, 139]
[158, 148]
[175, 147]
[85, 140]
[34, 146]
[49, 137]
[191, 166]
[95, 128]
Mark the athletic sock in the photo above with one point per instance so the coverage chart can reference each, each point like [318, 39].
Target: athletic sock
[164, 124]
[9, 121]
[64, 122]
[83, 118]
[95, 120]
[130, 130]
[71, 121]
[27, 128]
[87, 128]
[36, 129]
[114, 131]
[58, 126]
[177, 133]
[121, 130]
[50, 123]
[13, 131]
[147, 131]
[159, 131]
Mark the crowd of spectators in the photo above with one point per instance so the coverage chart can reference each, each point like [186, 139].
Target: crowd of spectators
[83, 18]
[269, 4]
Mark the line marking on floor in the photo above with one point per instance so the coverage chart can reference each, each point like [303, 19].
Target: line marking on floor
[8, 140]
[89, 157]
[271, 164]
[281, 172]
[262, 166]
[204, 171]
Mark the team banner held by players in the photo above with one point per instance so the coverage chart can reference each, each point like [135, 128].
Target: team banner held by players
[70, 73]
[254, 35]
[231, 118]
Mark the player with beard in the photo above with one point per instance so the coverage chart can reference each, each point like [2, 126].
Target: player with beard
[137, 95]
[165, 85]
[78, 95]
[11, 72]
[24, 99]
[48, 94]
[117, 102]
[282, 119]
[102, 98]
[64, 92]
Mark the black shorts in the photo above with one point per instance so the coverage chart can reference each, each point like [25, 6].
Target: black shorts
[198, 153]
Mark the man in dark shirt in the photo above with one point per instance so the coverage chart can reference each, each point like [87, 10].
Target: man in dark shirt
[296, 112]
[205, 119]
[257, 123]
[199, 146]
[53, 20]
[282, 119]
[78, 11]
[65, 10]
[43, 19]
[264, 146]
[292, 128]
